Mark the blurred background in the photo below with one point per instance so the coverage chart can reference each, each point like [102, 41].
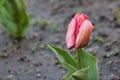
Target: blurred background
[30, 59]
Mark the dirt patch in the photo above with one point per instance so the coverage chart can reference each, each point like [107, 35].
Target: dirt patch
[29, 59]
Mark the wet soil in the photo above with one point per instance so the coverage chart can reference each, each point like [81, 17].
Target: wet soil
[30, 59]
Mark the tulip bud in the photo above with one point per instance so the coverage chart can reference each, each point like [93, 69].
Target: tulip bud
[79, 31]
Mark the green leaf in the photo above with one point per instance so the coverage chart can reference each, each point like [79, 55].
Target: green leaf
[69, 76]
[14, 17]
[66, 59]
[63, 56]
[69, 67]
[1, 3]
[8, 24]
[71, 70]
[89, 60]
[81, 74]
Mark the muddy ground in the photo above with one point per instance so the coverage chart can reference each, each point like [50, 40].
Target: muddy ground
[30, 59]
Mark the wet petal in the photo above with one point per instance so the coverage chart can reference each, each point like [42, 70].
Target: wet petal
[70, 37]
[84, 34]
[80, 19]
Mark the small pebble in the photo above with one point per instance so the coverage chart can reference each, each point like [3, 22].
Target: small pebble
[36, 35]
[45, 77]
[9, 77]
[42, 46]
[100, 39]
[103, 18]
[23, 58]
[110, 62]
[34, 63]
[4, 55]
[114, 77]
[56, 40]
[110, 54]
[38, 75]
[115, 69]
[38, 70]
[103, 33]
[117, 25]
[108, 46]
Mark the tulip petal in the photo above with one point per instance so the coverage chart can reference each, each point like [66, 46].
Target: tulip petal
[84, 34]
[80, 19]
[70, 37]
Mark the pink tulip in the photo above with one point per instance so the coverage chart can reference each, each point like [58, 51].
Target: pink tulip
[79, 31]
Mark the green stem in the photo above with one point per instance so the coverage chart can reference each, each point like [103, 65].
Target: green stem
[79, 59]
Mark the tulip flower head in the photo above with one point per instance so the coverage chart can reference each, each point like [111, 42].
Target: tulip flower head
[79, 31]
